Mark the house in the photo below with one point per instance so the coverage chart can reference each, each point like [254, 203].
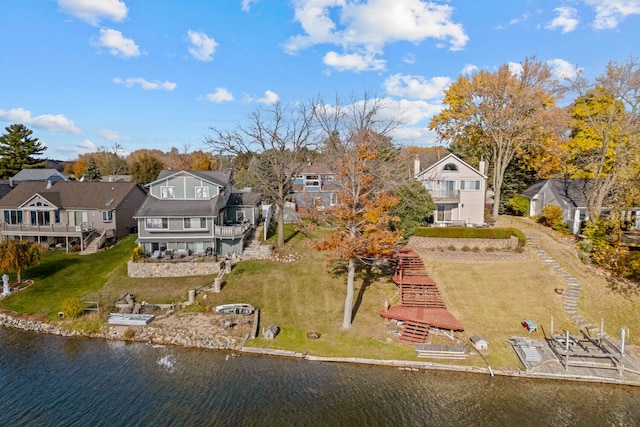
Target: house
[458, 190]
[571, 196]
[315, 187]
[38, 175]
[66, 213]
[196, 212]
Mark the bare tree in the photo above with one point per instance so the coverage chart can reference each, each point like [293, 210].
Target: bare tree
[281, 139]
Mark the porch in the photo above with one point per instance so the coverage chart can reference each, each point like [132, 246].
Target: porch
[59, 235]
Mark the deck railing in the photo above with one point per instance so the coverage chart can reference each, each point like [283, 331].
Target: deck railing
[45, 229]
[231, 230]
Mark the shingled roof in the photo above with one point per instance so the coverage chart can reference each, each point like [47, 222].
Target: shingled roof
[71, 194]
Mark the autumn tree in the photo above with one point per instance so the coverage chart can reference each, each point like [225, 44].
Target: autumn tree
[18, 255]
[146, 168]
[360, 220]
[499, 115]
[281, 138]
[18, 150]
[605, 137]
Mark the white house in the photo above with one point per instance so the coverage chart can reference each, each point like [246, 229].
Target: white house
[458, 190]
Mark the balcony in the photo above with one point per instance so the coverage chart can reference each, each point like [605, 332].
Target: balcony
[56, 230]
[446, 196]
[231, 231]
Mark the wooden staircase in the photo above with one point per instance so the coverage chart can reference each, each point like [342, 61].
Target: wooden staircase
[414, 331]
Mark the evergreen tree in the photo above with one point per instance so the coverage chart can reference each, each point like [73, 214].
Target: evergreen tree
[18, 150]
[92, 173]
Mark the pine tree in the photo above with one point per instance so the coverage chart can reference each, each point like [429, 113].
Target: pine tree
[92, 173]
[18, 150]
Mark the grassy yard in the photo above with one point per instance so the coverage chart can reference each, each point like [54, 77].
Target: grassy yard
[490, 297]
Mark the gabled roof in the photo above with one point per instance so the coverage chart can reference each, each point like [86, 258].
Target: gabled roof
[221, 178]
[154, 207]
[574, 192]
[447, 159]
[244, 198]
[39, 175]
[72, 194]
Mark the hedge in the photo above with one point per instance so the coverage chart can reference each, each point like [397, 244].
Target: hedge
[471, 233]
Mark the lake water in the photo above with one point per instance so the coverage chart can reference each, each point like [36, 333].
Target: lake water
[53, 381]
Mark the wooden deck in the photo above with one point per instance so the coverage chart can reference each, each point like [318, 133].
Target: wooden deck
[436, 317]
[421, 305]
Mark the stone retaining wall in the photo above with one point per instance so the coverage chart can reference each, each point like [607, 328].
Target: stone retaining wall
[172, 269]
[435, 243]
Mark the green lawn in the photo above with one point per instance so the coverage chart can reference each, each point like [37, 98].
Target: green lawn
[490, 298]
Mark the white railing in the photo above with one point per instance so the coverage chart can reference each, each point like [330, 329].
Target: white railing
[231, 230]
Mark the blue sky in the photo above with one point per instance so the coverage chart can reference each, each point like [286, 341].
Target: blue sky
[85, 74]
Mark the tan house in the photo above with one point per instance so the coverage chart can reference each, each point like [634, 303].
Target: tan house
[69, 213]
[458, 190]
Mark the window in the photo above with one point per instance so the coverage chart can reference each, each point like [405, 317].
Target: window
[202, 192]
[107, 216]
[167, 192]
[195, 223]
[312, 181]
[450, 167]
[333, 199]
[444, 213]
[239, 217]
[13, 217]
[428, 185]
[448, 189]
[470, 185]
[157, 223]
[77, 217]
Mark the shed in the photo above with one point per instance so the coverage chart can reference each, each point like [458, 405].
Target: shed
[270, 332]
[479, 343]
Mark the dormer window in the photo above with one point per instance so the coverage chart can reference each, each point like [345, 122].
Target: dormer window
[167, 192]
[450, 167]
[202, 192]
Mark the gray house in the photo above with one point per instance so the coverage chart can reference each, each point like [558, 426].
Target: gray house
[69, 213]
[196, 212]
[570, 195]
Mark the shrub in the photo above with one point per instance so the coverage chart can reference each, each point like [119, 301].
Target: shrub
[137, 254]
[551, 216]
[72, 307]
[519, 205]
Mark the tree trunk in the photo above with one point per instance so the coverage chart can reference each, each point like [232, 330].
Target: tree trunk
[281, 226]
[348, 301]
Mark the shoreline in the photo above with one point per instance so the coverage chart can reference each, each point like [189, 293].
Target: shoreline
[187, 339]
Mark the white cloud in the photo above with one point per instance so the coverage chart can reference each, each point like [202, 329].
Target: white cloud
[220, 95]
[202, 46]
[609, 13]
[92, 11]
[416, 87]
[72, 151]
[117, 44]
[562, 69]
[469, 69]
[353, 62]
[566, 19]
[269, 97]
[246, 4]
[49, 122]
[369, 26]
[110, 135]
[145, 84]
[515, 68]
